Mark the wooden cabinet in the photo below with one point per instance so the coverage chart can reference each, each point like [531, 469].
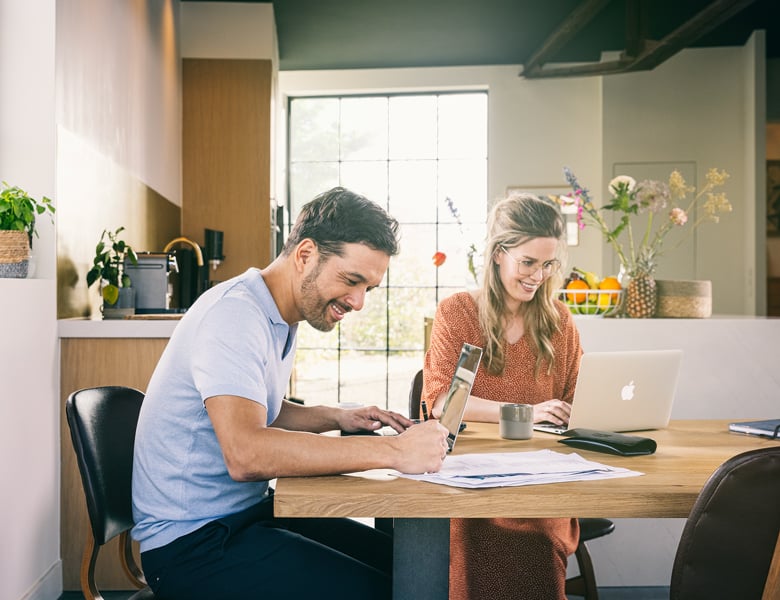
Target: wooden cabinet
[87, 362]
[226, 158]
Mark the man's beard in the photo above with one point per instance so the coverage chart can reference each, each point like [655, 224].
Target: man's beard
[314, 307]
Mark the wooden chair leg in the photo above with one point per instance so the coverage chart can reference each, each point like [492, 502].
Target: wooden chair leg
[585, 583]
[126, 558]
[87, 571]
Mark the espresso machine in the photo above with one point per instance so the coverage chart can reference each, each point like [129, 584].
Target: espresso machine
[149, 277]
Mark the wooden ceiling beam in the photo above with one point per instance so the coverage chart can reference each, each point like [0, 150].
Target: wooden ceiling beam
[636, 26]
[650, 53]
[564, 33]
[698, 26]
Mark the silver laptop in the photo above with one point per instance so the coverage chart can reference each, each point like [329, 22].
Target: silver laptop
[455, 403]
[458, 394]
[623, 391]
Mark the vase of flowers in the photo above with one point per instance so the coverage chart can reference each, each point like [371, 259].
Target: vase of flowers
[667, 205]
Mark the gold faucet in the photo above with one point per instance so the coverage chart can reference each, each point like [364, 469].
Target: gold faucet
[184, 240]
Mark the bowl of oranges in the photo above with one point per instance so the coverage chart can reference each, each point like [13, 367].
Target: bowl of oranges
[587, 294]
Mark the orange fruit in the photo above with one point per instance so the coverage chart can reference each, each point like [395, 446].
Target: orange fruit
[578, 284]
[611, 283]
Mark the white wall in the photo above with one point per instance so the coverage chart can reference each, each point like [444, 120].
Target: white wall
[118, 85]
[229, 30]
[29, 407]
[701, 108]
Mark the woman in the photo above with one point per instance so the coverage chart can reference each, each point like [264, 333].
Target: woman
[531, 355]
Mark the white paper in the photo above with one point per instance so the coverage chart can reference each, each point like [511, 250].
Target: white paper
[502, 469]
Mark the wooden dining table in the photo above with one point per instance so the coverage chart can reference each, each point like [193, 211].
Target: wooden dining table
[688, 452]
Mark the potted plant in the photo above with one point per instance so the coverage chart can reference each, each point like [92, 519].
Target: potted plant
[108, 268]
[17, 225]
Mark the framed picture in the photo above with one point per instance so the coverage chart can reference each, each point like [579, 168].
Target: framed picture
[557, 194]
[773, 197]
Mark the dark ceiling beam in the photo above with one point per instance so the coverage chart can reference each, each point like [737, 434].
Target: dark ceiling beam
[695, 28]
[636, 27]
[651, 53]
[561, 36]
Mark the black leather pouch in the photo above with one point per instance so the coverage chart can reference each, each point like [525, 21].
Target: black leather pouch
[606, 441]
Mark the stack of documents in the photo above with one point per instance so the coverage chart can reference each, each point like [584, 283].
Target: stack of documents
[502, 469]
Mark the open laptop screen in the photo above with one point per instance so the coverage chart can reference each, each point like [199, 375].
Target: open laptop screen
[460, 388]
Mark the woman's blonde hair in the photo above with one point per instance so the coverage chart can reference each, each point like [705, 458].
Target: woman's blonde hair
[514, 221]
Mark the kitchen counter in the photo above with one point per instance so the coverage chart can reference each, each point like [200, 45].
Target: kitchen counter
[118, 328]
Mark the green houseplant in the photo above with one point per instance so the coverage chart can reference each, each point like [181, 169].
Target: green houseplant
[17, 225]
[108, 265]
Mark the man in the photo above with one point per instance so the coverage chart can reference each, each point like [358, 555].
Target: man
[214, 427]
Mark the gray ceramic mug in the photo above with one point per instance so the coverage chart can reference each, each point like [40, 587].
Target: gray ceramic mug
[516, 421]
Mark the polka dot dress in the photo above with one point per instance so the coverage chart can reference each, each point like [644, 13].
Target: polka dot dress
[505, 558]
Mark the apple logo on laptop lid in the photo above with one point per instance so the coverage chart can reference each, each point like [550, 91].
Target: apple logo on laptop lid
[627, 391]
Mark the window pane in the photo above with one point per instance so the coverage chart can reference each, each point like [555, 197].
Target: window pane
[316, 376]
[308, 337]
[456, 242]
[408, 309]
[314, 128]
[408, 153]
[367, 328]
[402, 367]
[463, 126]
[412, 188]
[368, 178]
[465, 183]
[413, 127]
[363, 128]
[309, 179]
[364, 377]
[414, 264]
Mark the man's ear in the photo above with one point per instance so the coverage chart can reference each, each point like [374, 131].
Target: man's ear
[305, 252]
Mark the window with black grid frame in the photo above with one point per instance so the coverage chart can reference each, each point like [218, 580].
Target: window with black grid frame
[424, 158]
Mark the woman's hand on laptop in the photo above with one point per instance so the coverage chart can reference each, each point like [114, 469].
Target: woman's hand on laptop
[371, 418]
[553, 411]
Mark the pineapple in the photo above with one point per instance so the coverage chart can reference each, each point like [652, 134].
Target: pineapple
[641, 296]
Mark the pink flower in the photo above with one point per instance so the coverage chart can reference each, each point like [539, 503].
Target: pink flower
[678, 216]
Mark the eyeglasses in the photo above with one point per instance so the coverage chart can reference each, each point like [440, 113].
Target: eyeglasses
[527, 267]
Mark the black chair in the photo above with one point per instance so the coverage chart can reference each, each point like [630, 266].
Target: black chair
[728, 541]
[102, 423]
[583, 584]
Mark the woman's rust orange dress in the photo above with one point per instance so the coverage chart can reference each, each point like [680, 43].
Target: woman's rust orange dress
[505, 558]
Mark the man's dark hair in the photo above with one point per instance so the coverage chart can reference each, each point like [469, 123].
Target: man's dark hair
[339, 217]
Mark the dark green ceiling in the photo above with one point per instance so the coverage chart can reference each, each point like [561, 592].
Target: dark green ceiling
[347, 34]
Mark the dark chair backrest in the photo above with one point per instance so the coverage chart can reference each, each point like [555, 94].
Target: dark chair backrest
[729, 538]
[415, 392]
[102, 424]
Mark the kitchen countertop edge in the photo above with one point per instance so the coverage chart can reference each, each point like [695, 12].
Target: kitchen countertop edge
[115, 328]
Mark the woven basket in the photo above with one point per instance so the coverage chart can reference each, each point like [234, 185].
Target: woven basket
[14, 254]
[684, 299]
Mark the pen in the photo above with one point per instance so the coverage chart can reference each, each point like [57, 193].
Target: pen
[424, 409]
